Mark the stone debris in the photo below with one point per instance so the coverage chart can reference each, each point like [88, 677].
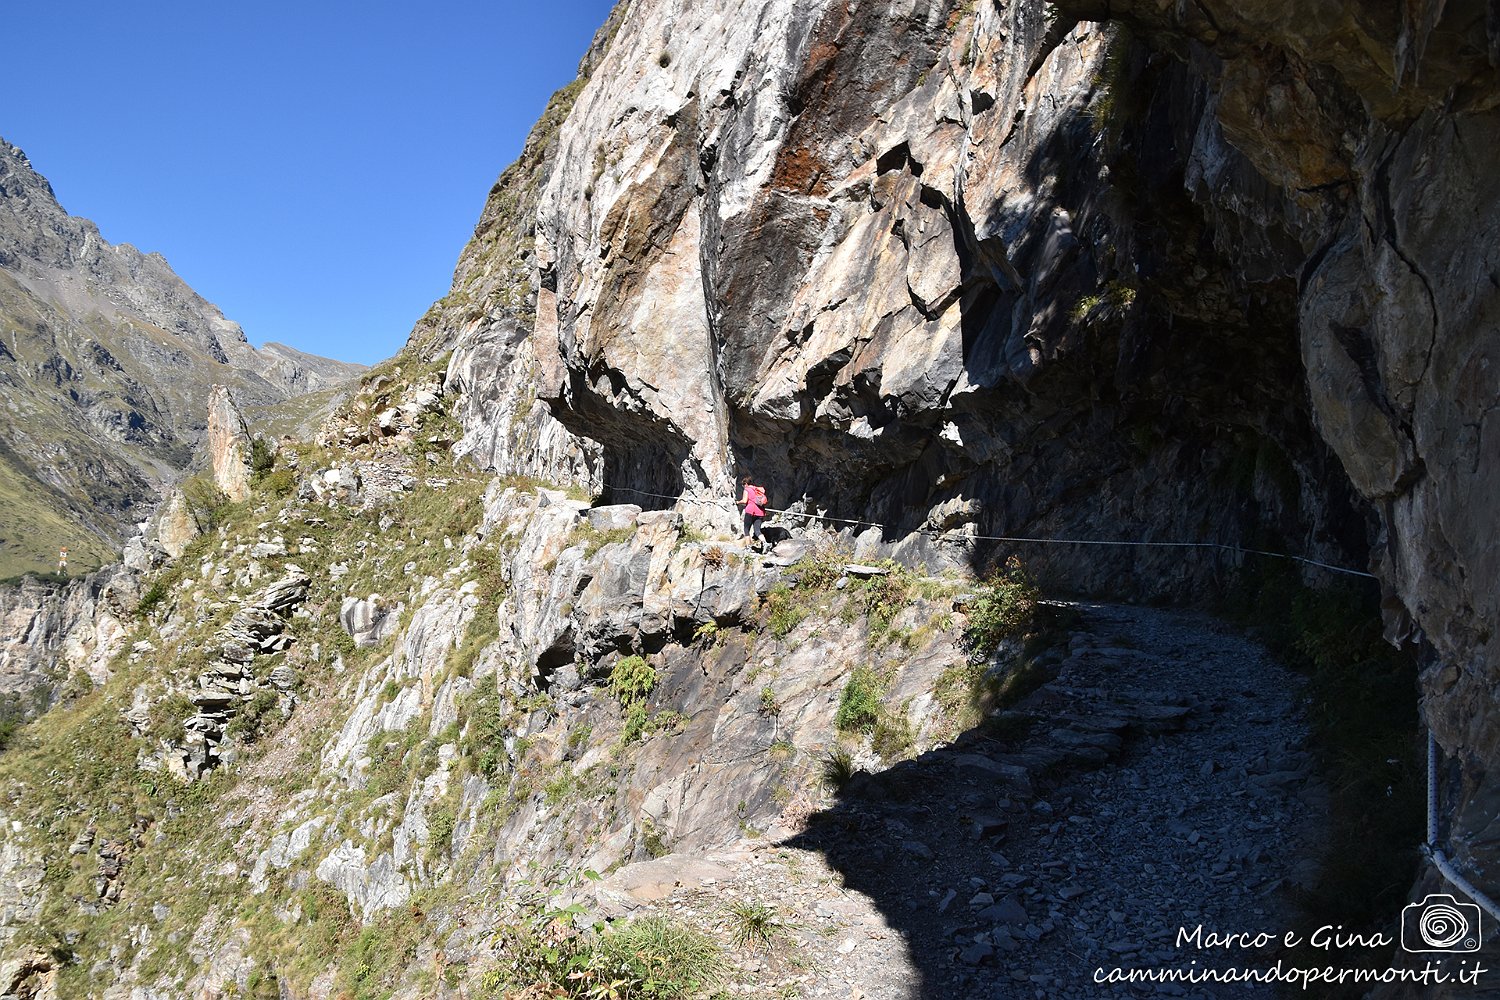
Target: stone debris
[257, 628]
[1090, 878]
[370, 620]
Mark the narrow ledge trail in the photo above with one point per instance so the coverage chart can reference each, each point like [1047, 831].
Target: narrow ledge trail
[1158, 781]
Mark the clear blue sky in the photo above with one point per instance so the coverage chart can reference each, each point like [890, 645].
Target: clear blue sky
[311, 168]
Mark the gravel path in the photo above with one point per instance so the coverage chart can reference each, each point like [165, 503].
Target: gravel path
[1161, 783]
[1158, 781]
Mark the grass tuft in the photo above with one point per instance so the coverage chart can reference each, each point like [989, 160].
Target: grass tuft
[753, 926]
[838, 768]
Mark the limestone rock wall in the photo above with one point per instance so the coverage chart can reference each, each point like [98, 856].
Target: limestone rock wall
[48, 631]
[1209, 272]
[228, 445]
[897, 266]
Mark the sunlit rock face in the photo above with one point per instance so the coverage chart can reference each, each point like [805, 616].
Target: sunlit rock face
[1224, 274]
[1209, 272]
[228, 445]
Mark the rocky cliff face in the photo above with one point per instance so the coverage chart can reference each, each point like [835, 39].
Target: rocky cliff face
[1215, 272]
[1220, 273]
[106, 359]
[228, 445]
[48, 632]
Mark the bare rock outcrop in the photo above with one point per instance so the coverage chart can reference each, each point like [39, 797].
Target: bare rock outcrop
[228, 445]
[1213, 272]
[176, 526]
[50, 631]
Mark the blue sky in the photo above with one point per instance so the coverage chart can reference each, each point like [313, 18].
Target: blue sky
[312, 168]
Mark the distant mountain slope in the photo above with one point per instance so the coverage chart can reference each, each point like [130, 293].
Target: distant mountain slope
[106, 359]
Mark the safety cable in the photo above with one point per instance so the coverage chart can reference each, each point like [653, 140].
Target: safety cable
[1434, 851]
[1431, 848]
[1011, 538]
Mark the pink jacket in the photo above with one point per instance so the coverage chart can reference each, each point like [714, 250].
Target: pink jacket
[753, 500]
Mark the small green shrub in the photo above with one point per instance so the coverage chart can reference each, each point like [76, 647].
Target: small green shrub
[557, 789]
[256, 717]
[885, 596]
[769, 706]
[785, 610]
[636, 721]
[670, 722]
[152, 598]
[12, 716]
[632, 679]
[893, 737]
[262, 984]
[440, 827]
[655, 844]
[821, 569]
[166, 717]
[963, 697]
[206, 503]
[280, 483]
[389, 764]
[859, 703]
[262, 458]
[1003, 607]
[782, 750]
[667, 960]
[543, 954]
[485, 728]
[592, 539]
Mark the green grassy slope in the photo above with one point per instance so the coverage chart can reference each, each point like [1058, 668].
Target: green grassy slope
[35, 521]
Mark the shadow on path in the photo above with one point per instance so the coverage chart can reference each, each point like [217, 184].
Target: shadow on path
[1158, 780]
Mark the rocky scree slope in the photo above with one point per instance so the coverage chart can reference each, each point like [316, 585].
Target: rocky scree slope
[106, 360]
[1209, 272]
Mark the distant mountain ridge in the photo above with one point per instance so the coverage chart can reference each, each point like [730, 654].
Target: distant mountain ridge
[106, 360]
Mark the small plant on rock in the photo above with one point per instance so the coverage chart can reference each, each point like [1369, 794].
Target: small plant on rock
[753, 925]
[893, 737]
[152, 598]
[278, 483]
[784, 611]
[485, 727]
[1002, 608]
[821, 569]
[655, 844]
[631, 679]
[769, 706]
[782, 750]
[256, 717]
[262, 458]
[859, 704]
[838, 768]
[707, 634]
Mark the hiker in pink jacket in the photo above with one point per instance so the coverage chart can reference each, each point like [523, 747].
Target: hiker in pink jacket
[754, 502]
